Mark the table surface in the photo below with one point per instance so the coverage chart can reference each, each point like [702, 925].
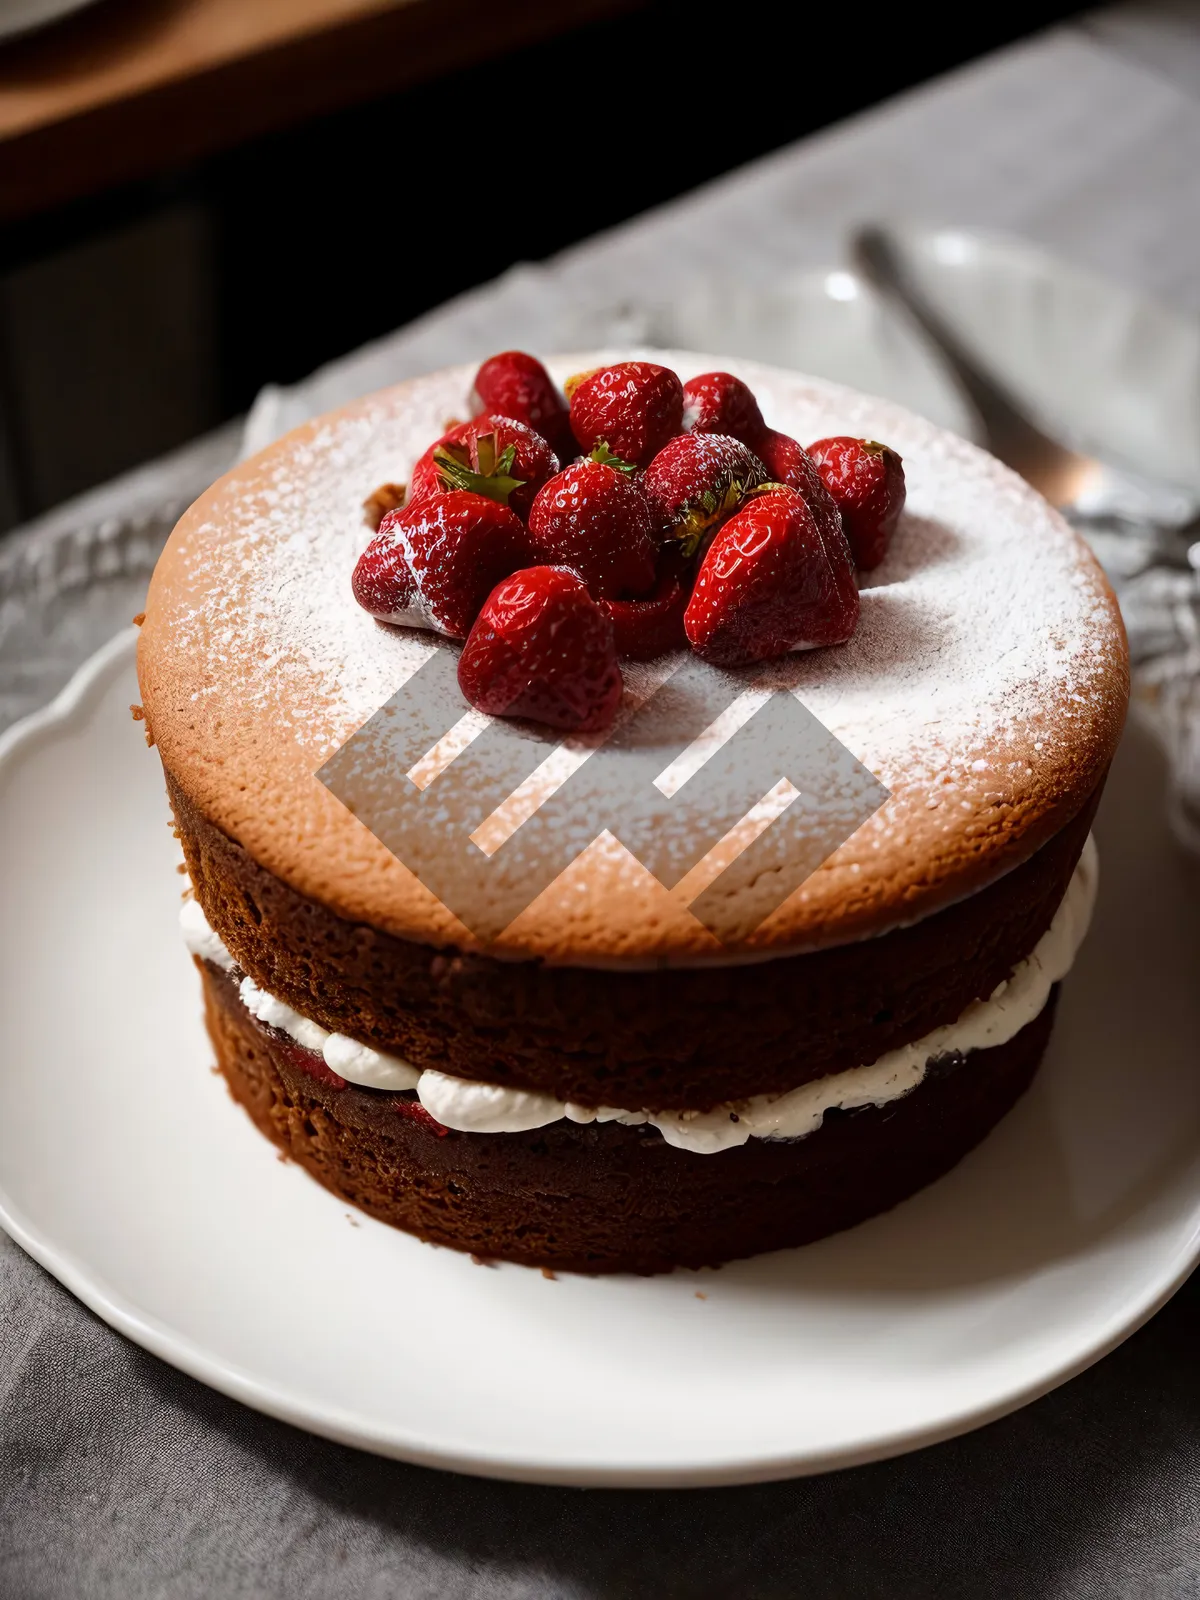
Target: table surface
[120, 1477]
[131, 88]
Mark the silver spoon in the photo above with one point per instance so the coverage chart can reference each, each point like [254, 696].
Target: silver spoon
[1137, 521]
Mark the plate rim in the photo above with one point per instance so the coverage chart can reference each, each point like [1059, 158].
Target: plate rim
[73, 704]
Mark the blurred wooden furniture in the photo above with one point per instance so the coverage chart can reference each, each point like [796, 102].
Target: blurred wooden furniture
[132, 88]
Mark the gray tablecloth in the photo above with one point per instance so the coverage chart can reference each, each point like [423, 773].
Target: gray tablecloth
[120, 1477]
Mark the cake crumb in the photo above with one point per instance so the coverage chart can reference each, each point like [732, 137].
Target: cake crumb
[138, 713]
[139, 619]
[547, 1273]
[353, 1221]
[700, 1295]
[388, 497]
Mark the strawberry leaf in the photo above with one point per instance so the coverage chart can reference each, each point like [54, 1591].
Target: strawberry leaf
[605, 458]
[703, 513]
[495, 482]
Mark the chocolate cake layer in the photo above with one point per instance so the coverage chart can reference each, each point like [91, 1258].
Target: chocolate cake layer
[672, 1037]
[607, 1198]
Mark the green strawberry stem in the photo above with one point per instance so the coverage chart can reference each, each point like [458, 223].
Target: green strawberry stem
[709, 508]
[604, 456]
[495, 481]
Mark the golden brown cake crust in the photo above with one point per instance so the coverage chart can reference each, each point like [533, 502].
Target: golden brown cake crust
[986, 685]
[606, 1198]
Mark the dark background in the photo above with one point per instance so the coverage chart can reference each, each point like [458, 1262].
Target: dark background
[132, 321]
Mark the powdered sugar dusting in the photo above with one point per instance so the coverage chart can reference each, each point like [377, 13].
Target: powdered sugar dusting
[288, 545]
[980, 610]
[984, 634]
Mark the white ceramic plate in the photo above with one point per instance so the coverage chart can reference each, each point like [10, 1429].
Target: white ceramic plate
[128, 1172]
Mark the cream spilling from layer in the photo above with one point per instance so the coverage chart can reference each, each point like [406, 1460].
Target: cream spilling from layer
[472, 1107]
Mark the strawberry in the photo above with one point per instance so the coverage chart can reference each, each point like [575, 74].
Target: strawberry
[424, 479]
[698, 479]
[769, 585]
[597, 520]
[542, 648]
[493, 456]
[651, 626]
[575, 380]
[433, 564]
[414, 1111]
[517, 385]
[789, 462]
[633, 408]
[309, 1061]
[866, 481]
[717, 402]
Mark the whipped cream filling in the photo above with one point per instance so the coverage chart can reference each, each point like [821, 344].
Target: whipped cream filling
[472, 1107]
[355, 1062]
